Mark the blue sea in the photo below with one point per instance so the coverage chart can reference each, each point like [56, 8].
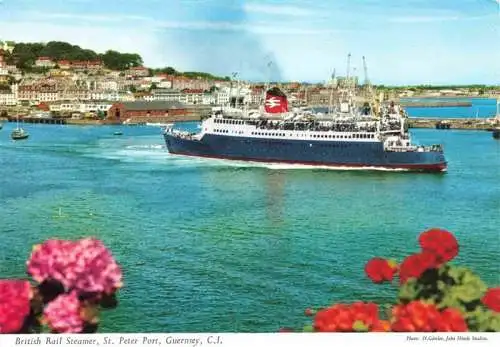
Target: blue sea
[481, 108]
[216, 246]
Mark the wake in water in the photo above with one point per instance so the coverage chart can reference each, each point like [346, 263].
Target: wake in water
[285, 166]
[143, 151]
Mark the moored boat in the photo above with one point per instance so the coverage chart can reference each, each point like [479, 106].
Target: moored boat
[496, 133]
[19, 134]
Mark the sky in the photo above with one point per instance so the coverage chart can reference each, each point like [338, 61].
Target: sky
[404, 42]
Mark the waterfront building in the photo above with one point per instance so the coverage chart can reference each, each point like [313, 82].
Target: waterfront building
[68, 106]
[122, 111]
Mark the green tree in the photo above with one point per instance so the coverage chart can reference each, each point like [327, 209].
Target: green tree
[120, 61]
[153, 86]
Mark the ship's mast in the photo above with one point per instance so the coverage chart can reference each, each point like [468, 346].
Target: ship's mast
[267, 84]
[348, 66]
[344, 97]
[368, 85]
[233, 76]
[365, 68]
[330, 106]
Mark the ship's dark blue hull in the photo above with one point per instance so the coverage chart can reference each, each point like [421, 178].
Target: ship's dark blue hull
[319, 153]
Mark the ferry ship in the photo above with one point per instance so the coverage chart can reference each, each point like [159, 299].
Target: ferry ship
[345, 139]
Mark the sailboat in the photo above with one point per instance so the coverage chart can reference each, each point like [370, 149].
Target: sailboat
[19, 133]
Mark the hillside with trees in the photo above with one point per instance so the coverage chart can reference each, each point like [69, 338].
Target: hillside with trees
[24, 55]
[190, 74]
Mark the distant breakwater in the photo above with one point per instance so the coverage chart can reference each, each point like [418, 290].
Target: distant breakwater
[452, 123]
[436, 103]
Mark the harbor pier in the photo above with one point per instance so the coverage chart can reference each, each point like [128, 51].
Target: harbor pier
[37, 120]
[451, 123]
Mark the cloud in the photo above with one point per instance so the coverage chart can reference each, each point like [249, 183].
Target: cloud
[423, 19]
[283, 10]
[437, 19]
[83, 17]
[257, 28]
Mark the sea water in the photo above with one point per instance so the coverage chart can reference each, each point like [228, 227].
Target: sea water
[210, 245]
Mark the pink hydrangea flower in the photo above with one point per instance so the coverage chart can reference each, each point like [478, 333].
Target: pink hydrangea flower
[63, 314]
[15, 306]
[85, 265]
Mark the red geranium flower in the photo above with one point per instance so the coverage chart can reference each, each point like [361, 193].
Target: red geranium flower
[451, 320]
[380, 270]
[63, 314]
[15, 306]
[440, 242]
[492, 299]
[346, 318]
[415, 264]
[415, 316]
[381, 326]
[85, 265]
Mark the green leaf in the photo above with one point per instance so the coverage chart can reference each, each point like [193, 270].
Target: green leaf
[408, 291]
[359, 326]
[494, 323]
[467, 293]
[308, 329]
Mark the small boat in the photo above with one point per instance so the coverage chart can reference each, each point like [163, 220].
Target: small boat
[496, 133]
[443, 125]
[19, 134]
[1, 125]
[117, 133]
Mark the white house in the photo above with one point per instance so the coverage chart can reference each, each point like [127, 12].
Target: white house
[7, 98]
[44, 62]
[83, 107]
[104, 95]
[45, 96]
[107, 85]
[165, 84]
